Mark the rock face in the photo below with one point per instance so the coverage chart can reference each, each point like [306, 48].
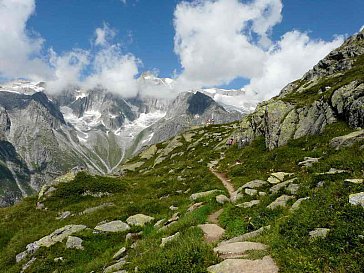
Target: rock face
[331, 90]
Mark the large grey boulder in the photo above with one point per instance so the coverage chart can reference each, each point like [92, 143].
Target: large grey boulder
[113, 226]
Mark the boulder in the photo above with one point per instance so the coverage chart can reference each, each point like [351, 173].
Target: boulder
[74, 242]
[355, 181]
[264, 265]
[251, 192]
[297, 204]
[308, 162]
[246, 236]
[59, 235]
[319, 233]
[199, 195]
[281, 175]
[195, 206]
[253, 184]
[280, 202]
[222, 199]
[115, 267]
[139, 220]
[357, 199]
[347, 140]
[212, 232]
[113, 226]
[119, 254]
[248, 204]
[237, 249]
[168, 239]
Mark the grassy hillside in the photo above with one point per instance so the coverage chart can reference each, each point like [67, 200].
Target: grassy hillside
[167, 174]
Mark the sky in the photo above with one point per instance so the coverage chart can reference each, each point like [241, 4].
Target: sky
[260, 45]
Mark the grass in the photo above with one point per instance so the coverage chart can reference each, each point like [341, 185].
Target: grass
[152, 191]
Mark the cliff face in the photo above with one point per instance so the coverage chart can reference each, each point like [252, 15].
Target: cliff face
[332, 90]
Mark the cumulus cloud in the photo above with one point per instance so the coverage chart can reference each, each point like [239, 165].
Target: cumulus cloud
[104, 35]
[22, 56]
[20, 49]
[218, 41]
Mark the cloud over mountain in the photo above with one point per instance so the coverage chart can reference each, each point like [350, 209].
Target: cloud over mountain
[218, 41]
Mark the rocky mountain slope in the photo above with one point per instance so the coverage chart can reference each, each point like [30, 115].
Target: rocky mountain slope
[287, 196]
[43, 136]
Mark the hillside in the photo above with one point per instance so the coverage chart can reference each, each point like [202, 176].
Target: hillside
[286, 196]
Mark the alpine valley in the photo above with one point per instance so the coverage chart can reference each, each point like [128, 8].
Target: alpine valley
[108, 184]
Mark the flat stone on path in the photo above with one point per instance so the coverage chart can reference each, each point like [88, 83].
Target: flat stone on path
[212, 232]
[114, 226]
[265, 265]
[237, 249]
[139, 220]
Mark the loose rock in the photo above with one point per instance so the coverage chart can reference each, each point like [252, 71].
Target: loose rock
[222, 199]
[113, 226]
[139, 220]
[280, 202]
[319, 233]
[357, 199]
[265, 265]
[212, 232]
[199, 195]
[169, 239]
[74, 242]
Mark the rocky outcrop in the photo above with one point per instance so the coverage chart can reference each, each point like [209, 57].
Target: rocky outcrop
[332, 90]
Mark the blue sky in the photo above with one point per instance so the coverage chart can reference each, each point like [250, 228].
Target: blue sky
[71, 23]
[146, 30]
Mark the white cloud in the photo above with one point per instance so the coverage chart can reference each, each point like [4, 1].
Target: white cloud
[218, 41]
[114, 71]
[20, 49]
[104, 35]
[123, 1]
[22, 56]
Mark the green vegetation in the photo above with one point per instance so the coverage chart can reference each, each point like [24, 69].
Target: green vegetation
[152, 190]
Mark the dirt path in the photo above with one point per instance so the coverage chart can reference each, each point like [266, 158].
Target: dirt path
[225, 181]
[214, 217]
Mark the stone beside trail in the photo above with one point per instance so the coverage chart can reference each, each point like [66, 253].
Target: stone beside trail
[212, 232]
[199, 195]
[246, 236]
[265, 265]
[237, 249]
[113, 226]
[357, 199]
